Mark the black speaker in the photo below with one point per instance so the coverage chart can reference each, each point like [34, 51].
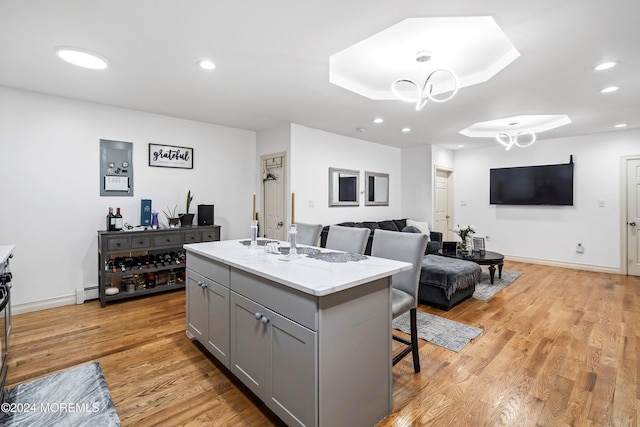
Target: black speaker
[205, 214]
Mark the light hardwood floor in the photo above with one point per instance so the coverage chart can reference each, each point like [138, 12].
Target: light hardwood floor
[560, 347]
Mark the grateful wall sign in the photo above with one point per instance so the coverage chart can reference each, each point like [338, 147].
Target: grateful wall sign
[170, 156]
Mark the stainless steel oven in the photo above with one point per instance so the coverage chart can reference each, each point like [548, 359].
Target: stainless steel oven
[5, 322]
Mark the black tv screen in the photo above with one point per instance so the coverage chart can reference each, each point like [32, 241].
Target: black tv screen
[532, 185]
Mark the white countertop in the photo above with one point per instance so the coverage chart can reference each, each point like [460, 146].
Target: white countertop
[5, 251]
[312, 276]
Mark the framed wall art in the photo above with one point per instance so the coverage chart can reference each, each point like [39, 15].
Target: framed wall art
[343, 187]
[170, 156]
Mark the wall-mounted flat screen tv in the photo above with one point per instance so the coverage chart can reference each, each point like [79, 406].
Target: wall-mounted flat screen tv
[532, 185]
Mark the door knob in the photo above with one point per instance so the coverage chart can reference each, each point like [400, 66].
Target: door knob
[632, 223]
[280, 224]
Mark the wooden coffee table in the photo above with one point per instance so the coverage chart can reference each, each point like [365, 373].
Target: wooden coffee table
[486, 258]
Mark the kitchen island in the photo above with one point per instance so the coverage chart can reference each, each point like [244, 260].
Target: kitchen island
[311, 338]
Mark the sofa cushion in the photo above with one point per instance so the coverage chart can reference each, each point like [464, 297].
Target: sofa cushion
[370, 225]
[400, 223]
[348, 224]
[422, 226]
[388, 225]
[433, 246]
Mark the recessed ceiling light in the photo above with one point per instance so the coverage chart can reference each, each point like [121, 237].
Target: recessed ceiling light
[621, 125]
[378, 120]
[207, 65]
[82, 58]
[609, 89]
[460, 145]
[605, 66]
[405, 130]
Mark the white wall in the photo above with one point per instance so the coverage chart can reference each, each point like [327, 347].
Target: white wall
[417, 183]
[442, 157]
[313, 152]
[52, 209]
[550, 232]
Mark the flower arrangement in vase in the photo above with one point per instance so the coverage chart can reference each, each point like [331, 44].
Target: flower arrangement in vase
[466, 236]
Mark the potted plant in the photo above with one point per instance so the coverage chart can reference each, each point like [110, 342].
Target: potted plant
[172, 218]
[186, 219]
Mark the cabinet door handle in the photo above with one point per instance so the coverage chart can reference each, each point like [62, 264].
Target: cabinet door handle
[264, 320]
[258, 316]
[202, 285]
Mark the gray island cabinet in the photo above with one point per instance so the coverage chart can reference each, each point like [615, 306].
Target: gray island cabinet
[311, 338]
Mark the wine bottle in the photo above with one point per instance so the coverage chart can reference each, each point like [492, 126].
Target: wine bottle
[118, 222]
[111, 220]
[150, 280]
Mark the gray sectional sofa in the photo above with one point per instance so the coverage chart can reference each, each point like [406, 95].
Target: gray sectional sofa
[434, 245]
[444, 282]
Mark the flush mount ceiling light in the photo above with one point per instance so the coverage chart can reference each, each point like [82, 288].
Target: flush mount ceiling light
[410, 91]
[605, 66]
[621, 125]
[82, 58]
[609, 89]
[475, 47]
[207, 65]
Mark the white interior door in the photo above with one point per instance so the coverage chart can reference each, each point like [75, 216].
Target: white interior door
[633, 217]
[273, 179]
[443, 205]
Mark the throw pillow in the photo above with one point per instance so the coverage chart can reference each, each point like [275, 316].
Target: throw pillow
[411, 229]
[422, 226]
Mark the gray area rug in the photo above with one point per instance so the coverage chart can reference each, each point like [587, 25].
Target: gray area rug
[438, 330]
[75, 397]
[485, 290]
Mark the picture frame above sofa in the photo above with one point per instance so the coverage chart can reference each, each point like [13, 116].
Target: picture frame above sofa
[343, 187]
[376, 191]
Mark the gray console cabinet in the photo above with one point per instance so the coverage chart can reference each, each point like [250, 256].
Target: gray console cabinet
[113, 244]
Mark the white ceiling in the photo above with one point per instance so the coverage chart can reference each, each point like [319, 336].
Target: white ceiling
[272, 62]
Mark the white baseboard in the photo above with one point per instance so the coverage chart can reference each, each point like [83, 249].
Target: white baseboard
[86, 294]
[80, 297]
[563, 264]
[43, 305]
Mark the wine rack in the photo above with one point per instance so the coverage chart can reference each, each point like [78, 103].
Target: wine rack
[144, 262]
